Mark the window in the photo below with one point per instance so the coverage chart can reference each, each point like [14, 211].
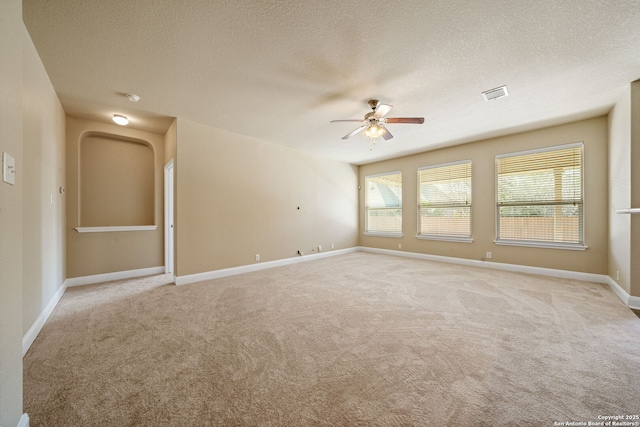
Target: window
[444, 201]
[383, 204]
[539, 197]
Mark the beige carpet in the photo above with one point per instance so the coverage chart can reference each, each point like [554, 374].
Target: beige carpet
[355, 340]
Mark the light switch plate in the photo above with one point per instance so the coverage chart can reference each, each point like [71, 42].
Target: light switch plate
[8, 169]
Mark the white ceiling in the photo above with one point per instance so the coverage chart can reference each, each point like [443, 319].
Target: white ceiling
[281, 70]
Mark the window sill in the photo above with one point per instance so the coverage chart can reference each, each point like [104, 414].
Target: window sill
[628, 211]
[445, 238]
[381, 234]
[116, 228]
[543, 245]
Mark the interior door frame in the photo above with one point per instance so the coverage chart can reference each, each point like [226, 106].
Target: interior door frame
[169, 236]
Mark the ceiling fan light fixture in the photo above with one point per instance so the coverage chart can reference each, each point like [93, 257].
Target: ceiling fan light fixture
[374, 124]
[373, 131]
[121, 120]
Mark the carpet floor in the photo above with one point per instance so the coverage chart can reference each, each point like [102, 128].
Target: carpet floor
[359, 339]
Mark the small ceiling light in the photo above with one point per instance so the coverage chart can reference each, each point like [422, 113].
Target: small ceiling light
[132, 97]
[374, 131]
[120, 119]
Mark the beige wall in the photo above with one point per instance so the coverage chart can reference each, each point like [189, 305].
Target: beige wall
[634, 257]
[99, 253]
[238, 197]
[117, 177]
[43, 174]
[12, 34]
[594, 260]
[624, 190]
[619, 181]
[170, 142]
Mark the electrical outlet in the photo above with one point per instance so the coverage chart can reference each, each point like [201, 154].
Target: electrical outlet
[257, 257]
[332, 246]
[488, 255]
[319, 248]
[617, 275]
[399, 245]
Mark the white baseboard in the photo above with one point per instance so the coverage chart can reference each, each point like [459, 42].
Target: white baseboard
[576, 275]
[630, 301]
[562, 274]
[226, 272]
[37, 326]
[109, 277]
[34, 330]
[24, 421]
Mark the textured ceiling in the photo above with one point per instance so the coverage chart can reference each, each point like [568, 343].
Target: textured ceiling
[281, 70]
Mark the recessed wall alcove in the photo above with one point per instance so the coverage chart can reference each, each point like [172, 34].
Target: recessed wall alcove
[116, 181]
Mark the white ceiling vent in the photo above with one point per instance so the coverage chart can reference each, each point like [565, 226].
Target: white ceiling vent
[495, 93]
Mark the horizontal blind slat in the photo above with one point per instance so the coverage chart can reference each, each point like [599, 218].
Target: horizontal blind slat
[444, 200]
[383, 203]
[539, 195]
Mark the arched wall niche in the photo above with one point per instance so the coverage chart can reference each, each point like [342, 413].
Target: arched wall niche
[116, 181]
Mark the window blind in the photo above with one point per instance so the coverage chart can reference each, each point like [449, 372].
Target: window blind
[444, 200]
[540, 195]
[383, 203]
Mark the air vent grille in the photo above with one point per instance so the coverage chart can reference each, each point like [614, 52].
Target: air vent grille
[495, 93]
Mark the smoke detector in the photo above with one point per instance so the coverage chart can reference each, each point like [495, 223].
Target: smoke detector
[132, 97]
[495, 93]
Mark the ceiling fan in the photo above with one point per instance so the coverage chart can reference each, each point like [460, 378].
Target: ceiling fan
[373, 124]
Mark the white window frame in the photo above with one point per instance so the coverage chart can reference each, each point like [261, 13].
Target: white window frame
[368, 232]
[446, 237]
[580, 246]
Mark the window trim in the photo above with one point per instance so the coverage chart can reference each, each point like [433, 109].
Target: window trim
[539, 243]
[443, 237]
[392, 234]
[383, 234]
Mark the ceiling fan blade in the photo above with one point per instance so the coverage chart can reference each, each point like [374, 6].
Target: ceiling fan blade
[386, 135]
[416, 120]
[382, 110]
[349, 135]
[354, 120]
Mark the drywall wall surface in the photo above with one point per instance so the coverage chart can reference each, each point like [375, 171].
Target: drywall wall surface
[43, 191]
[238, 197]
[117, 177]
[634, 259]
[619, 180]
[592, 132]
[98, 253]
[12, 33]
[170, 142]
